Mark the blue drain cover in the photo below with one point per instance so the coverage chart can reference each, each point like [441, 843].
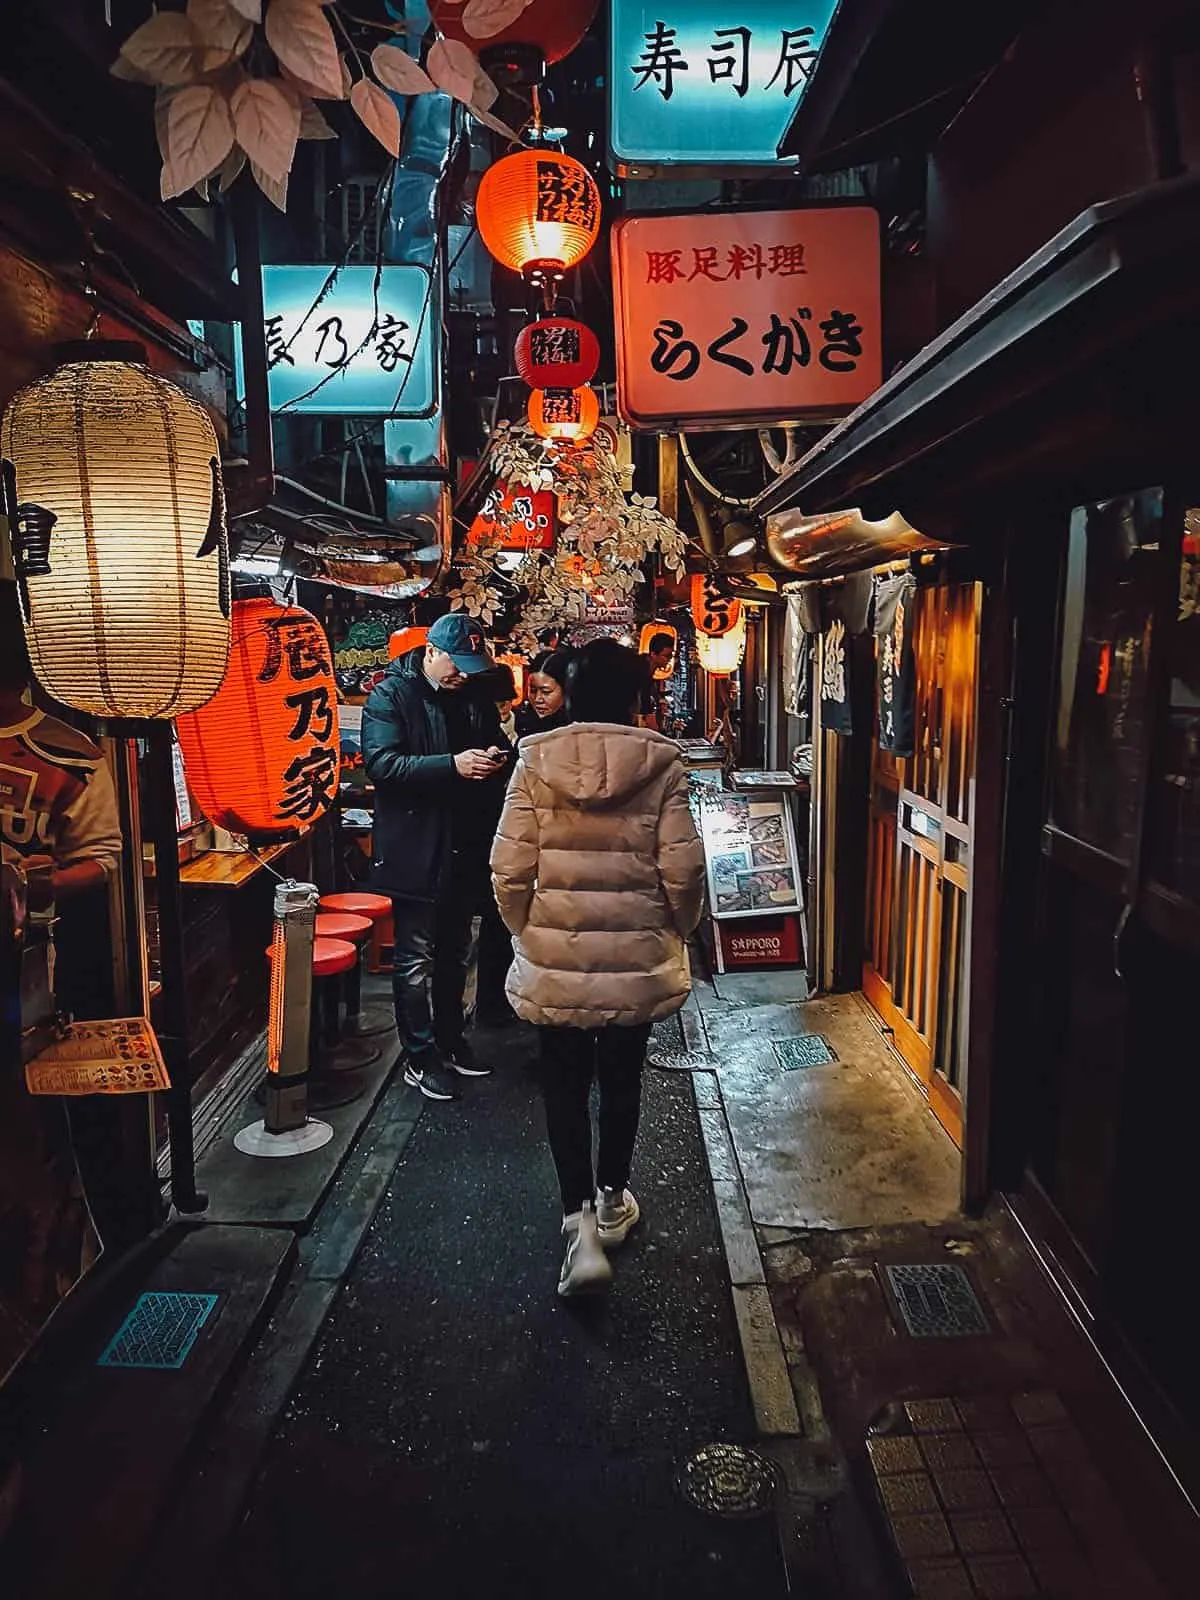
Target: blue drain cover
[937, 1301]
[159, 1332]
[805, 1050]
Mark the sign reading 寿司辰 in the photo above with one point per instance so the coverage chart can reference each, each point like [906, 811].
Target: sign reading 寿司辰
[706, 84]
[746, 317]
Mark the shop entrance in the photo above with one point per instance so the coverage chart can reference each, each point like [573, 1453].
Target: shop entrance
[918, 875]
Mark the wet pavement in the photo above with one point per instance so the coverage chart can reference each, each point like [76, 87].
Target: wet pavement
[459, 1430]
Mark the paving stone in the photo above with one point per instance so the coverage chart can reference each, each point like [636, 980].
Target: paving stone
[1059, 1444]
[1003, 1449]
[1064, 1573]
[1002, 1578]
[1022, 1486]
[1042, 1528]
[907, 1493]
[927, 1535]
[985, 1412]
[894, 1453]
[940, 1580]
[948, 1452]
[965, 1490]
[1039, 1408]
[982, 1533]
[932, 1416]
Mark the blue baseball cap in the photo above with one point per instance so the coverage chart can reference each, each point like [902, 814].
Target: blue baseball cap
[462, 639]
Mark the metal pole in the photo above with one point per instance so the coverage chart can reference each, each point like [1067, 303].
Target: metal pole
[160, 782]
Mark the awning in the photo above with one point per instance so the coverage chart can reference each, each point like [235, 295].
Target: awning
[1083, 351]
[834, 543]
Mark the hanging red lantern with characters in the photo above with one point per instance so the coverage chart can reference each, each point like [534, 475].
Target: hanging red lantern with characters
[404, 640]
[262, 756]
[714, 610]
[557, 353]
[538, 212]
[551, 27]
[570, 414]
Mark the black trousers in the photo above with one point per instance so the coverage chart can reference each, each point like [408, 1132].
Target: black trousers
[570, 1059]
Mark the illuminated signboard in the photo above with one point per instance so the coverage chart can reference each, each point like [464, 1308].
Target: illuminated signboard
[530, 518]
[729, 319]
[703, 83]
[359, 352]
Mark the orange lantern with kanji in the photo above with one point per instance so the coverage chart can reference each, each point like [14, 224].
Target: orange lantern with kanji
[538, 212]
[552, 27]
[557, 353]
[650, 632]
[714, 611]
[262, 756]
[564, 413]
[404, 640]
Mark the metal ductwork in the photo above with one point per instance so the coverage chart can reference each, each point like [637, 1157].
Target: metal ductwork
[836, 542]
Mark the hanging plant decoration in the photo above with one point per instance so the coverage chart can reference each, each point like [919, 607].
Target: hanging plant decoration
[237, 83]
[605, 534]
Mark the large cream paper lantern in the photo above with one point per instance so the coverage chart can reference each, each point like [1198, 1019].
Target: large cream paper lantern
[722, 652]
[113, 492]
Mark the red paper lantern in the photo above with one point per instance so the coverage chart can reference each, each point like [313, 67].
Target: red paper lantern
[564, 413]
[262, 756]
[554, 27]
[557, 353]
[714, 611]
[538, 211]
[405, 640]
[649, 632]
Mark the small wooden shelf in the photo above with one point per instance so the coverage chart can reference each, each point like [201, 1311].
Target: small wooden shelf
[227, 869]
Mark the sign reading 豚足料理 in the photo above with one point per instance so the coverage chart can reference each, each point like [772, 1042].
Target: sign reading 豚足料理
[745, 317]
[361, 349]
[705, 83]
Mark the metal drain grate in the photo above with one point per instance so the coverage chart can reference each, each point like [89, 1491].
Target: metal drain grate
[937, 1301]
[805, 1050]
[729, 1480]
[159, 1332]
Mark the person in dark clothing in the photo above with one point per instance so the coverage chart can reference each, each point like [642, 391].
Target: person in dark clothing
[545, 693]
[652, 699]
[439, 764]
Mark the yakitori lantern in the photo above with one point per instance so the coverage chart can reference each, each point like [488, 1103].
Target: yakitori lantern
[553, 27]
[262, 756]
[112, 488]
[564, 413]
[714, 610]
[557, 353]
[538, 212]
[723, 652]
[404, 640]
[650, 632]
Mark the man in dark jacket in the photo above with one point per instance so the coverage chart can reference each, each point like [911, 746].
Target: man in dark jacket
[439, 764]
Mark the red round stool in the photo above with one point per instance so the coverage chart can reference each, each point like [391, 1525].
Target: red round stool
[376, 906]
[376, 910]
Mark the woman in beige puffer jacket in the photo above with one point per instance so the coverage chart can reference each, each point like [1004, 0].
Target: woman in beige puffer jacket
[599, 875]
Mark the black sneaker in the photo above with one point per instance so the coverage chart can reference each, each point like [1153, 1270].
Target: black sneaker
[460, 1058]
[429, 1075]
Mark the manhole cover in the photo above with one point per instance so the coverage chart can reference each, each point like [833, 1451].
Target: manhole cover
[728, 1480]
[937, 1302]
[159, 1332]
[805, 1050]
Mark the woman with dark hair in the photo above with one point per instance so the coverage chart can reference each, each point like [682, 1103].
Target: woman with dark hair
[545, 693]
[599, 875]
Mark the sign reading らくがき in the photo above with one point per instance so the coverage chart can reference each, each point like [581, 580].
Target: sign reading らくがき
[728, 318]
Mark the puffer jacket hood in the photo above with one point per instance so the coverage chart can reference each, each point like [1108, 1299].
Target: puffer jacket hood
[598, 764]
[599, 875]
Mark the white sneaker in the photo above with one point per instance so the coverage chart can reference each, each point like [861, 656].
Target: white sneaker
[585, 1268]
[616, 1212]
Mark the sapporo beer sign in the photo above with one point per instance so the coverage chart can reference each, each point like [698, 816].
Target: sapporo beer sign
[714, 610]
[748, 317]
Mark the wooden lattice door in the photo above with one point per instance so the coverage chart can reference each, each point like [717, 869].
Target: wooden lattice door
[918, 882]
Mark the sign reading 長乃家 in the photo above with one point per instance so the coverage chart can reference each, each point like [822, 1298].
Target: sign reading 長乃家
[706, 84]
[740, 318]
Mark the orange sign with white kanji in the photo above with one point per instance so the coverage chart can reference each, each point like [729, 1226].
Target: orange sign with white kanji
[728, 319]
[714, 611]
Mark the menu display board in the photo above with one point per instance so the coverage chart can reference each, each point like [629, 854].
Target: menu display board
[750, 853]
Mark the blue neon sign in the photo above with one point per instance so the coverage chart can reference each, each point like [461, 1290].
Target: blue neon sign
[708, 83]
[361, 352]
